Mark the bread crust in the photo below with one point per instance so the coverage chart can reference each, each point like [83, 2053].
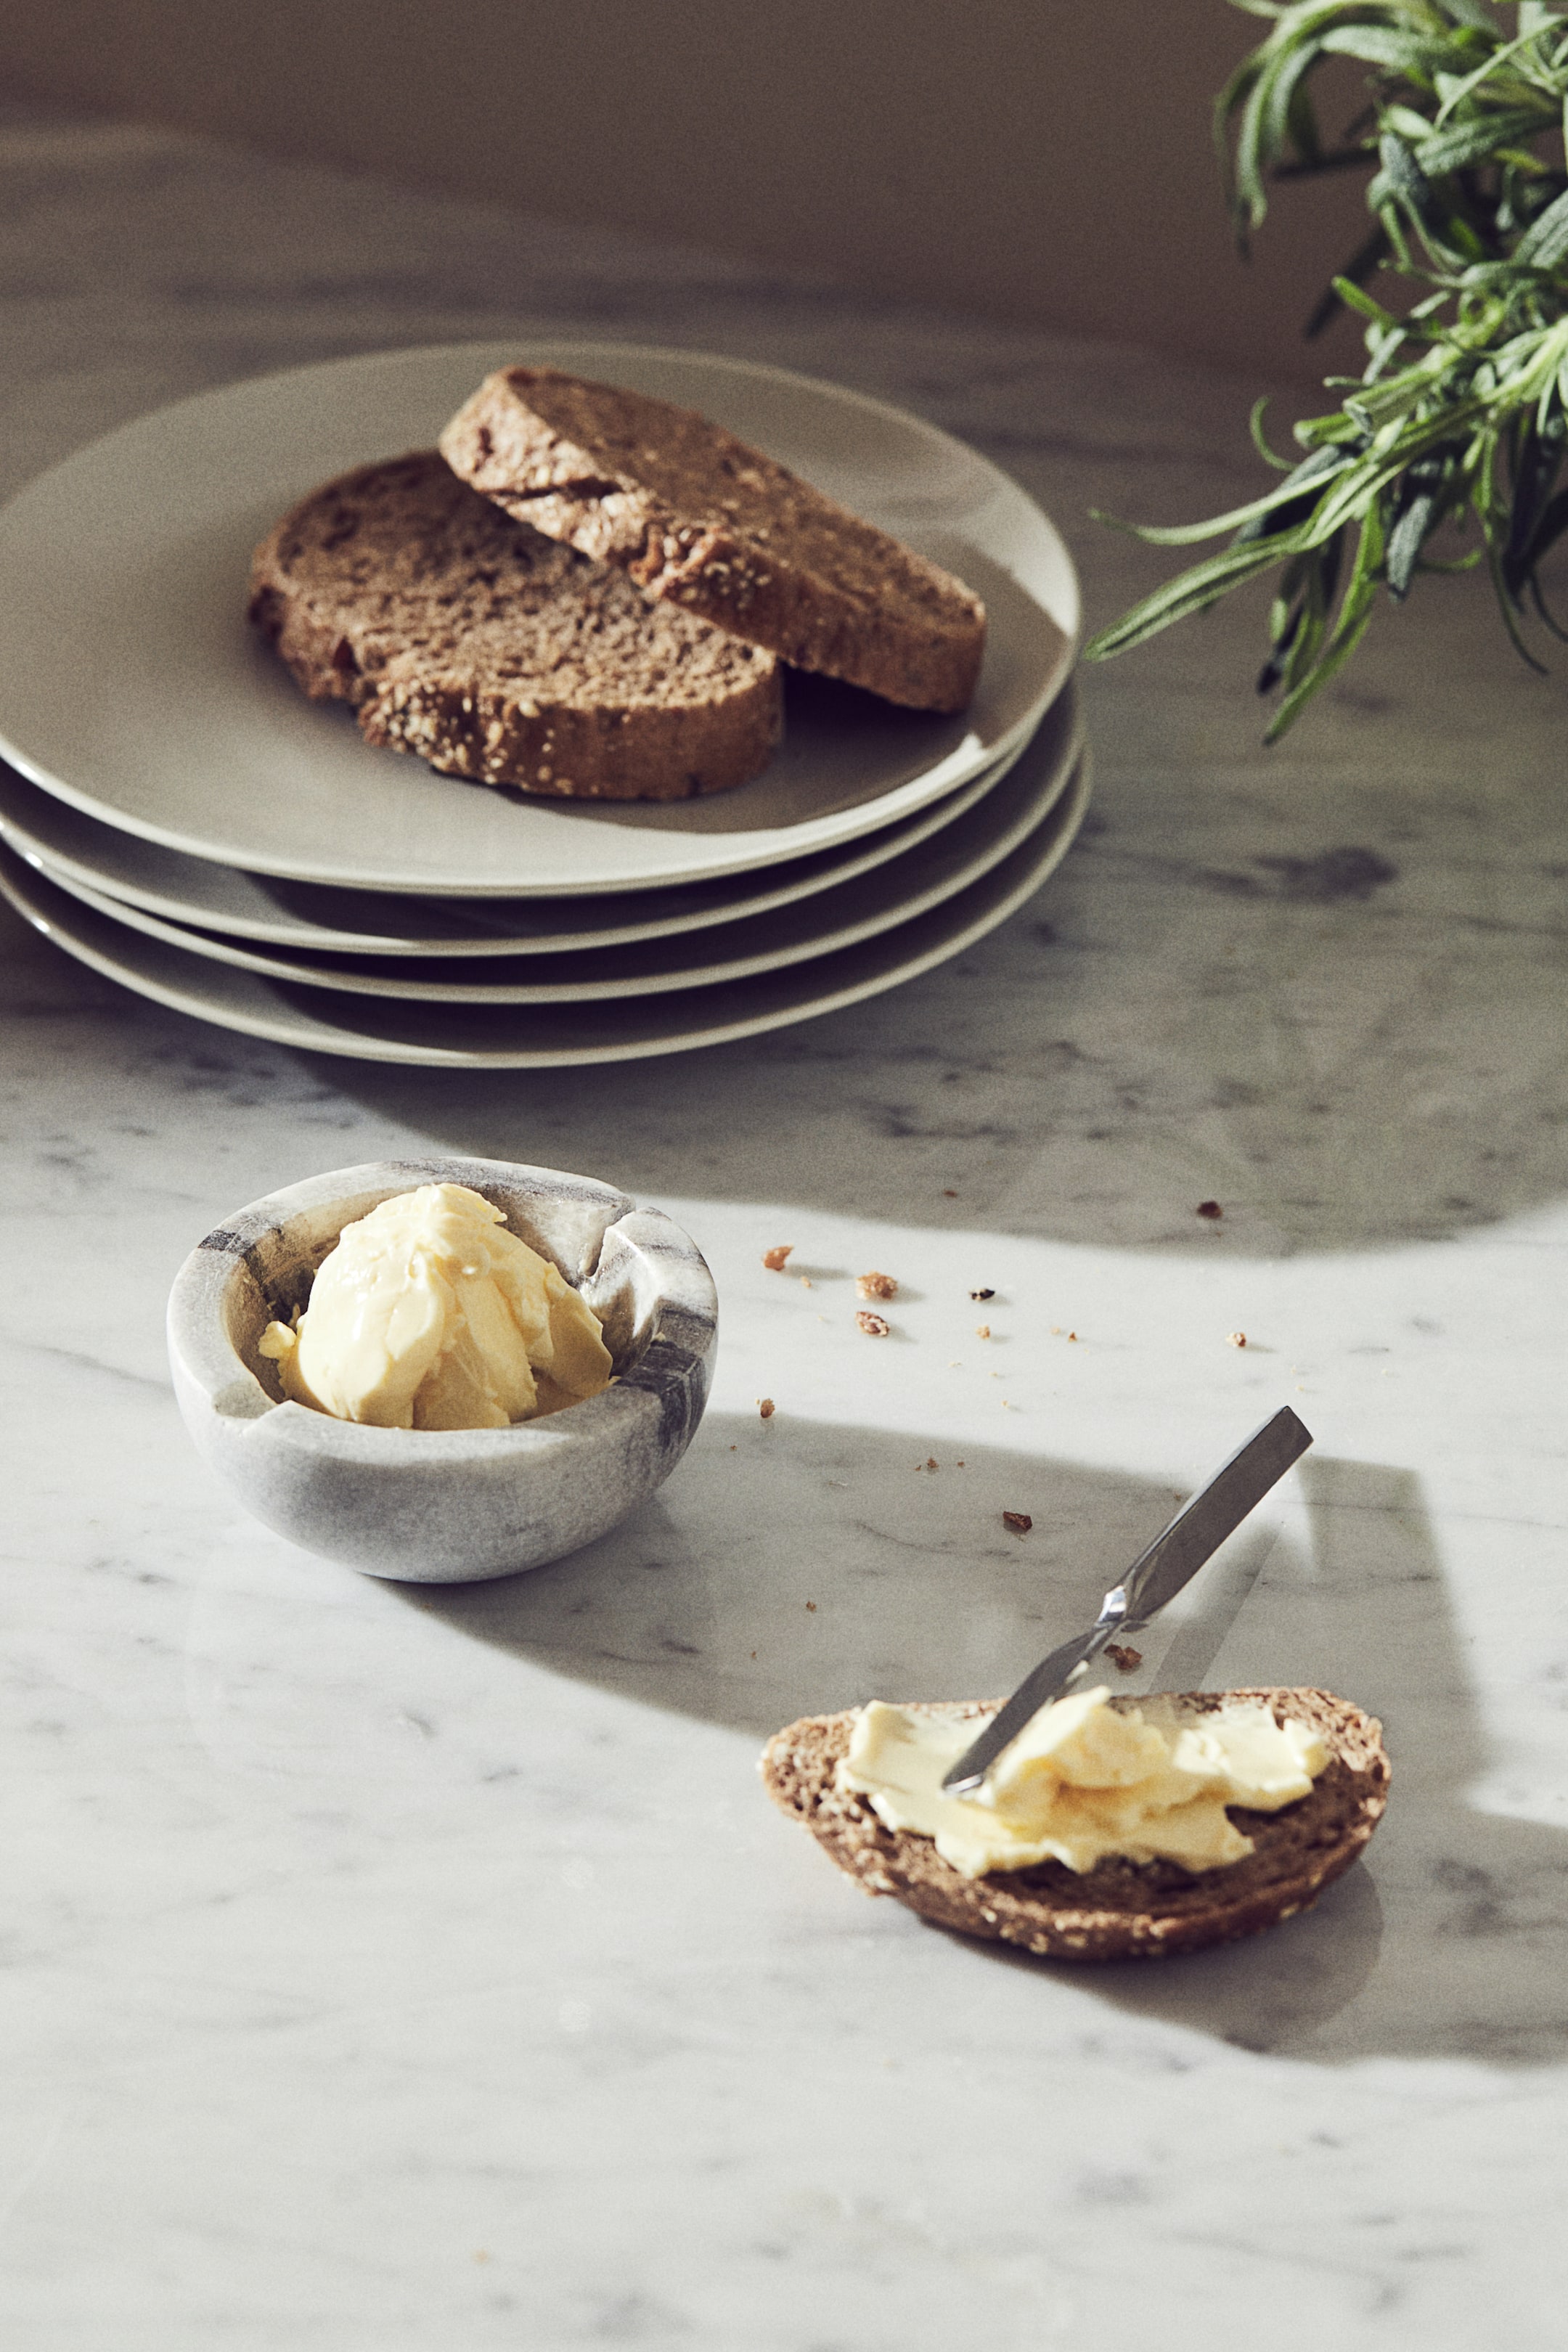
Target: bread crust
[1119, 1910]
[466, 638]
[700, 519]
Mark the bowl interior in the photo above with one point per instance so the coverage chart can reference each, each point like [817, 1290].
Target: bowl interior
[275, 1275]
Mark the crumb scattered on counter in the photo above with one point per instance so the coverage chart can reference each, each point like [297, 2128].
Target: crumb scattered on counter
[983, 1330]
[1072, 1335]
[765, 1407]
[1126, 1660]
[978, 1295]
[948, 1193]
[812, 1606]
[1238, 1339]
[775, 1259]
[1019, 1521]
[876, 1285]
[806, 1282]
[876, 1327]
[1210, 1209]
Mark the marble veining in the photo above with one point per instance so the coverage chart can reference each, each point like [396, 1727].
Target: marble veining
[409, 1967]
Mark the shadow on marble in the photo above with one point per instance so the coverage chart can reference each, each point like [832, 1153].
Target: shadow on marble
[1344, 1022]
[851, 1572]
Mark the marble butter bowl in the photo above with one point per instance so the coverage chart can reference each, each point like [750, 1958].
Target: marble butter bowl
[444, 1506]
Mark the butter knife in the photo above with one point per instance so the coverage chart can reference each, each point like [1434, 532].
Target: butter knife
[1174, 1557]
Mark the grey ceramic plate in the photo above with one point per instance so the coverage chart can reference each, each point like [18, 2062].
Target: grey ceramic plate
[841, 917]
[132, 688]
[82, 852]
[380, 1029]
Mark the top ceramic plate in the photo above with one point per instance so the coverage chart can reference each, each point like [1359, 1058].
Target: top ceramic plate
[131, 686]
[80, 849]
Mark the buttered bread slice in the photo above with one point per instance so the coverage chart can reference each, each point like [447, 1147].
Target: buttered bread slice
[493, 652]
[701, 521]
[1120, 1909]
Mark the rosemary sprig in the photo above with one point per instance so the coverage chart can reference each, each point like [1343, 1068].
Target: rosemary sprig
[1460, 417]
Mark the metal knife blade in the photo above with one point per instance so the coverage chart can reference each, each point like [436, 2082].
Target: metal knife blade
[1156, 1575]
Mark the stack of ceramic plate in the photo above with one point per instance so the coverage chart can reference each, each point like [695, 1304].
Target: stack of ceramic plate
[177, 814]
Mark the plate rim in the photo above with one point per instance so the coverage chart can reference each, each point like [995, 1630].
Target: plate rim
[843, 826]
[858, 858]
[1053, 786]
[1062, 825]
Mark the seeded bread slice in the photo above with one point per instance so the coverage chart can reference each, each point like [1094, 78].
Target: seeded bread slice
[492, 652]
[701, 519]
[1119, 1910]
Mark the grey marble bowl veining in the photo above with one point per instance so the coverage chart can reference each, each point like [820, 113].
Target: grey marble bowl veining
[445, 1505]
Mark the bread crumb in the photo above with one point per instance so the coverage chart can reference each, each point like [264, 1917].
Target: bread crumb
[806, 1282]
[948, 1193]
[773, 1259]
[1019, 1521]
[1072, 1335]
[960, 1466]
[876, 1285]
[812, 1606]
[982, 1294]
[876, 1327]
[930, 1462]
[765, 1407]
[983, 1330]
[1210, 1209]
[1125, 1660]
[1238, 1339]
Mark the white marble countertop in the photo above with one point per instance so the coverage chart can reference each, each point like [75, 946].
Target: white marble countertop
[410, 1970]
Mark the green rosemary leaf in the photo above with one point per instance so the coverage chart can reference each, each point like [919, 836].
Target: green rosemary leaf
[1346, 291]
[1382, 45]
[1193, 592]
[1260, 442]
[1355, 613]
[1459, 90]
[1405, 542]
[1318, 467]
[1355, 296]
[1545, 242]
[1472, 12]
[1471, 142]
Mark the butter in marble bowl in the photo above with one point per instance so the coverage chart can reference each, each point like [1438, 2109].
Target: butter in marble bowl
[445, 1504]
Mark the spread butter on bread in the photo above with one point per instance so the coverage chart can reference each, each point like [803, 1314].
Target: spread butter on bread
[701, 519]
[494, 652]
[1119, 1909]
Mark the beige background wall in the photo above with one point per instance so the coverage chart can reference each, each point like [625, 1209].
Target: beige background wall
[1047, 160]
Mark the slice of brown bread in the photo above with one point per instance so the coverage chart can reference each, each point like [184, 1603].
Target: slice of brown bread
[1119, 1910]
[703, 521]
[492, 652]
